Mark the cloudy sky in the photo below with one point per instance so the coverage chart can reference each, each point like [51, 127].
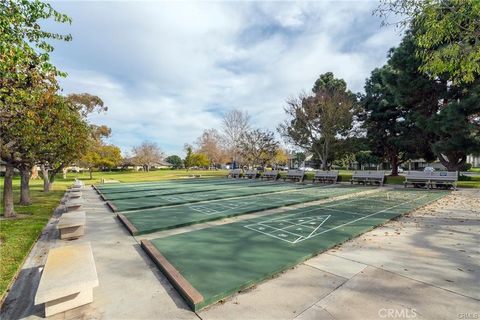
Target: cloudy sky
[168, 70]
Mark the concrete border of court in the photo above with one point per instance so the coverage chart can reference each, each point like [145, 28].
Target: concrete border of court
[127, 224]
[182, 285]
[111, 206]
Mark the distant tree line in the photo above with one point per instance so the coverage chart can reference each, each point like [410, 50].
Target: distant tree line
[236, 143]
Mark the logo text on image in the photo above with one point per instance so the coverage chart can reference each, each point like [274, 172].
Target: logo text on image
[397, 313]
[466, 315]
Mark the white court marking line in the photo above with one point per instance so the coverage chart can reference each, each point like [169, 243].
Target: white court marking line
[171, 197]
[339, 226]
[272, 235]
[320, 191]
[205, 196]
[342, 211]
[317, 207]
[210, 209]
[370, 215]
[264, 225]
[311, 233]
[323, 219]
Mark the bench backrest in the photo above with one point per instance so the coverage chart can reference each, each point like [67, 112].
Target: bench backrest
[445, 175]
[326, 174]
[420, 174]
[435, 175]
[235, 172]
[251, 173]
[272, 173]
[368, 174]
[295, 173]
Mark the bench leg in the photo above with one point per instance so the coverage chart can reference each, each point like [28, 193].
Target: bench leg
[69, 302]
[72, 232]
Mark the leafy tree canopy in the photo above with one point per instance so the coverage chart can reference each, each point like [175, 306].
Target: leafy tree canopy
[258, 147]
[316, 121]
[446, 34]
[175, 161]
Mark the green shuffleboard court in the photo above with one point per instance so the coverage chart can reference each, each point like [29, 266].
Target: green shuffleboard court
[163, 185]
[192, 189]
[182, 197]
[163, 218]
[210, 264]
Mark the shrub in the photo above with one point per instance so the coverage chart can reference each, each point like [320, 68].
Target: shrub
[464, 178]
[466, 167]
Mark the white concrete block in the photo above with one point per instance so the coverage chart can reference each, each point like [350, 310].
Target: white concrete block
[73, 204]
[72, 225]
[69, 302]
[67, 279]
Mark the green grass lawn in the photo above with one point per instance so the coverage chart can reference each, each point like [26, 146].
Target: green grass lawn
[474, 169]
[17, 236]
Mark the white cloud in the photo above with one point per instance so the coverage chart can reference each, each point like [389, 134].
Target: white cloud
[162, 67]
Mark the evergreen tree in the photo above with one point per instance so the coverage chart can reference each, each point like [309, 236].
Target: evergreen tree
[390, 137]
[443, 118]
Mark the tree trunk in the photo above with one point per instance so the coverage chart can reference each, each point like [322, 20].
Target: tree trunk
[394, 164]
[46, 179]
[325, 156]
[8, 210]
[91, 173]
[25, 185]
[53, 174]
[452, 162]
[64, 173]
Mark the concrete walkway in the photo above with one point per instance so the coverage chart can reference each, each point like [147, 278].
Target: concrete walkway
[425, 266]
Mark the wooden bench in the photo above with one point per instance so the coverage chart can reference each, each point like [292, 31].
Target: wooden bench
[370, 177]
[435, 179]
[250, 174]
[72, 225]
[234, 173]
[68, 279]
[73, 204]
[294, 175]
[325, 176]
[417, 179]
[270, 175]
[444, 179]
